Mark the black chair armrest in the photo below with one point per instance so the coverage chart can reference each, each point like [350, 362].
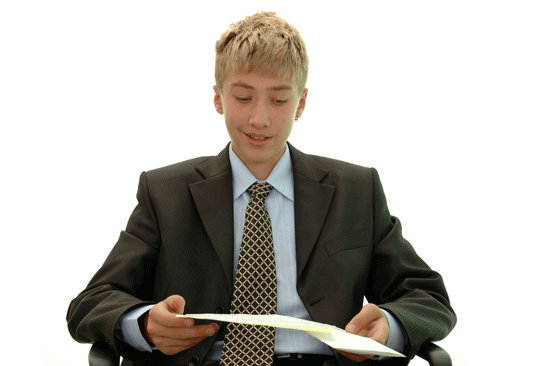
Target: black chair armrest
[435, 355]
[102, 354]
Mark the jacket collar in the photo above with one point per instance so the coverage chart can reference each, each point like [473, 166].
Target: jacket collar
[312, 199]
[214, 200]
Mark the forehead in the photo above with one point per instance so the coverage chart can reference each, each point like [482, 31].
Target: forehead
[258, 81]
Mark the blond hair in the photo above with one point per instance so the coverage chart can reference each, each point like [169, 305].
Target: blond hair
[265, 43]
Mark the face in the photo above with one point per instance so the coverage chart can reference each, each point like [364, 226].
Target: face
[259, 113]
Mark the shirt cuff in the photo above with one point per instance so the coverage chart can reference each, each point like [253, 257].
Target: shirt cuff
[398, 337]
[129, 327]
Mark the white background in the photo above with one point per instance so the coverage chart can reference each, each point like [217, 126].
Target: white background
[448, 100]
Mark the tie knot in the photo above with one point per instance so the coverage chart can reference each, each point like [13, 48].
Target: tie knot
[260, 190]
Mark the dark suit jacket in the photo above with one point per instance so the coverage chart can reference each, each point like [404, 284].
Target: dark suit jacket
[179, 240]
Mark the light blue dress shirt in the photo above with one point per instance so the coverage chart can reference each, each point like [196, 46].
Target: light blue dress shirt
[280, 206]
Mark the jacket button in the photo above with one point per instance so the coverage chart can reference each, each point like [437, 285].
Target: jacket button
[220, 310]
[194, 361]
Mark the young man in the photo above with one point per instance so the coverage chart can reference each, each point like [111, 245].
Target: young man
[331, 234]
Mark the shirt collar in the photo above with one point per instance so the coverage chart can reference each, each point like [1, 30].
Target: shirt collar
[281, 177]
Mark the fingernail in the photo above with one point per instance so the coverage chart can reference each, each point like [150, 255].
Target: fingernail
[351, 328]
[209, 332]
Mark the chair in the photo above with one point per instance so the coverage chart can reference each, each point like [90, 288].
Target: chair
[102, 354]
[435, 355]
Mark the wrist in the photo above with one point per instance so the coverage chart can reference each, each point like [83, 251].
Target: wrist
[142, 322]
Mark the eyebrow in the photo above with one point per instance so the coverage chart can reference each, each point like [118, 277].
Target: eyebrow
[273, 88]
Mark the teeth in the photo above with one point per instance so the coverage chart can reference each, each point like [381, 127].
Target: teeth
[256, 138]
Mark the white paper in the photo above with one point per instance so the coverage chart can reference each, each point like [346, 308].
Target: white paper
[332, 336]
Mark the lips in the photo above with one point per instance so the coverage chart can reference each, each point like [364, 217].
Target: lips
[257, 140]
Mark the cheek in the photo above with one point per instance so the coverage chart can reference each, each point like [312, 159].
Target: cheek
[235, 113]
[285, 120]
[287, 128]
[287, 113]
[232, 116]
[290, 126]
[229, 122]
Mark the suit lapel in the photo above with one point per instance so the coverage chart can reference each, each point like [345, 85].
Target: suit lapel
[213, 197]
[214, 201]
[312, 201]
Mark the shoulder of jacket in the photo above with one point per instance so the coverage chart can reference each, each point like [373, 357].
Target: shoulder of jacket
[340, 165]
[177, 170]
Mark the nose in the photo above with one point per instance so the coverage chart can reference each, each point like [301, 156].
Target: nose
[260, 116]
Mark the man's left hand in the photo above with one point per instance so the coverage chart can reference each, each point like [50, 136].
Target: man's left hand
[372, 323]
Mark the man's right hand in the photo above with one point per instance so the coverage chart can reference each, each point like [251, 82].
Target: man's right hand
[171, 334]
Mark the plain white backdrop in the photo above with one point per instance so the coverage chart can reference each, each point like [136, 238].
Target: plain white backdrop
[450, 101]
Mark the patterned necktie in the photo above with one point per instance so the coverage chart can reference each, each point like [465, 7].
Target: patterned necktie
[255, 290]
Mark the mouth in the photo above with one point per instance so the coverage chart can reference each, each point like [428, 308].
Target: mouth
[257, 140]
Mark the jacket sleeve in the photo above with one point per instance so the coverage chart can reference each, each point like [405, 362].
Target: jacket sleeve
[402, 283]
[124, 281]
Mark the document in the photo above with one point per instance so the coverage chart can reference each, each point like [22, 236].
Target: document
[332, 336]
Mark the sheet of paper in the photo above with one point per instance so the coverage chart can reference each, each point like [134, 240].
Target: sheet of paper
[332, 336]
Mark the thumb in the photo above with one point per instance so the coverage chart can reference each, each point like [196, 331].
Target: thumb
[362, 322]
[176, 303]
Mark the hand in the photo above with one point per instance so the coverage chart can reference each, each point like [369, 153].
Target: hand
[170, 334]
[372, 323]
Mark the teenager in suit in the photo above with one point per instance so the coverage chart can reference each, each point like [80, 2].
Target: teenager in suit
[335, 240]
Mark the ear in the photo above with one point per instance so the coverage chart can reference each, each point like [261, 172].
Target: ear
[218, 100]
[302, 104]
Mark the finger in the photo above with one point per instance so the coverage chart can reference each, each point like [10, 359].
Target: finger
[164, 312]
[174, 340]
[170, 346]
[166, 342]
[197, 331]
[363, 320]
[176, 303]
[172, 350]
[161, 314]
[182, 333]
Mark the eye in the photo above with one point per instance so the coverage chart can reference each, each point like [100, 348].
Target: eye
[279, 101]
[242, 99]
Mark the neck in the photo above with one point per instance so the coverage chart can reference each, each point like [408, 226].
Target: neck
[260, 171]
